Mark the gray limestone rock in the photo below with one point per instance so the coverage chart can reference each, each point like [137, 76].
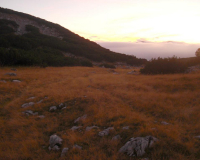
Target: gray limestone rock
[52, 108]
[105, 132]
[165, 123]
[126, 127]
[29, 112]
[198, 137]
[17, 81]
[77, 146]
[11, 74]
[40, 101]
[64, 152]
[137, 146]
[117, 137]
[75, 128]
[41, 116]
[31, 98]
[25, 105]
[80, 118]
[54, 142]
[91, 127]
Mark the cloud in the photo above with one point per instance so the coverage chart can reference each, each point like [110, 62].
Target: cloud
[148, 50]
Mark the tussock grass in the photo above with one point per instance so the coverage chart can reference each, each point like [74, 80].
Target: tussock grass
[141, 102]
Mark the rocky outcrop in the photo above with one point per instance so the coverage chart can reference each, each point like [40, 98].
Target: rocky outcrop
[137, 146]
[55, 142]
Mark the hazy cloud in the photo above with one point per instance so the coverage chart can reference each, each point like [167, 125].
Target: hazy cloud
[148, 50]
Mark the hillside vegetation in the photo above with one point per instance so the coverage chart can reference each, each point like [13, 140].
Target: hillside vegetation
[31, 46]
[164, 106]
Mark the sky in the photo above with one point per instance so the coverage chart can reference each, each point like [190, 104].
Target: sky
[144, 28]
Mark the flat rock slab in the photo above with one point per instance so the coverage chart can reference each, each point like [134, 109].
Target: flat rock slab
[105, 132]
[16, 81]
[137, 146]
[29, 112]
[75, 128]
[164, 123]
[25, 105]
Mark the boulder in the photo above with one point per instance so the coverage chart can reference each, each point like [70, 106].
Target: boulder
[80, 118]
[25, 105]
[52, 108]
[137, 146]
[105, 132]
[29, 112]
[54, 142]
[64, 152]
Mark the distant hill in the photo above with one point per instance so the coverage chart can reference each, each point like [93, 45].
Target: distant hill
[28, 40]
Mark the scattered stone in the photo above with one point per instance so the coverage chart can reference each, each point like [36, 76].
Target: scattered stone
[25, 105]
[64, 108]
[105, 132]
[80, 118]
[165, 123]
[13, 69]
[54, 142]
[77, 147]
[31, 98]
[17, 81]
[132, 72]
[117, 137]
[126, 128]
[41, 116]
[92, 127]
[52, 108]
[64, 152]
[3, 81]
[137, 146]
[29, 112]
[61, 105]
[40, 101]
[11, 74]
[198, 137]
[75, 128]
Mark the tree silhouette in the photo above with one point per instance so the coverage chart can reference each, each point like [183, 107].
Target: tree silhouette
[197, 53]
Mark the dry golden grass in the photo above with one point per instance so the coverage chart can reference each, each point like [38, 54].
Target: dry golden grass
[139, 101]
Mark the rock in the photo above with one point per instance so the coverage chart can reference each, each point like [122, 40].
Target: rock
[52, 108]
[115, 73]
[64, 108]
[105, 132]
[92, 127]
[77, 146]
[64, 152]
[25, 105]
[41, 116]
[61, 105]
[29, 112]
[11, 74]
[31, 97]
[40, 101]
[198, 137]
[80, 118]
[137, 146]
[3, 81]
[117, 137]
[75, 128]
[13, 69]
[126, 127]
[132, 72]
[54, 142]
[16, 81]
[165, 123]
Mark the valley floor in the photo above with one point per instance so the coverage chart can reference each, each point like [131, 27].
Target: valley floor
[164, 106]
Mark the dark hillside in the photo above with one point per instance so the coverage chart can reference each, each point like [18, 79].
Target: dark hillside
[21, 31]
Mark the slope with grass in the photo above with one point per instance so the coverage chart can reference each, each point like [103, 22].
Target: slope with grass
[142, 102]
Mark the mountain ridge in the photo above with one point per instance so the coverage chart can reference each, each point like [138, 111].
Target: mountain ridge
[34, 33]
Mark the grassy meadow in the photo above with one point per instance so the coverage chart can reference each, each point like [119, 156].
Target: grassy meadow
[141, 102]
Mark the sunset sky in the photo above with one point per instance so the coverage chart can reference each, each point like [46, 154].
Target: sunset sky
[145, 28]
